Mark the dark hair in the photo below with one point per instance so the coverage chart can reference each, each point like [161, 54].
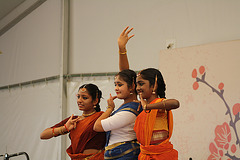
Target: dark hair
[150, 75]
[95, 93]
[129, 76]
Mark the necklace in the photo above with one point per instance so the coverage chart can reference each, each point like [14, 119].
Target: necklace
[89, 114]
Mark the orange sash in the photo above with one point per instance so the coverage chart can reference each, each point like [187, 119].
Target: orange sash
[144, 128]
[80, 136]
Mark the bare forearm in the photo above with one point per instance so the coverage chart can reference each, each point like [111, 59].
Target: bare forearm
[167, 104]
[123, 62]
[51, 132]
[98, 126]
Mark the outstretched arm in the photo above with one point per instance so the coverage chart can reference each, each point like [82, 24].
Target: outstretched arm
[56, 131]
[122, 41]
[167, 104]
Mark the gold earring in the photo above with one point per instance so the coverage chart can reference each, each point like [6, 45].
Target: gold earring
[155, 86]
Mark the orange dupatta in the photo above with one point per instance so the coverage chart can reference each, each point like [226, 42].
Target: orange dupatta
[144, 128]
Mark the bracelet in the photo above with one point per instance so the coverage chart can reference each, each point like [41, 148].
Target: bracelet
[111, 108]
[54, 135]
[66, 127]
[145, 107]
[123, 52]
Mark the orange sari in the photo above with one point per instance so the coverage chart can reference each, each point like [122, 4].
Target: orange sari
[81, 136]
[144, 129]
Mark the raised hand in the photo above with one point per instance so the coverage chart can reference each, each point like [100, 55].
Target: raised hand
[72, 123]
[143, 102]
[123, 39]
[110, 102]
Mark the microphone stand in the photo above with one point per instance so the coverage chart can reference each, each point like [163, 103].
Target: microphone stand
[7, 156]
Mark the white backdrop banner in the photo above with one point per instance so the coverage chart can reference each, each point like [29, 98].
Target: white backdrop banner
[25, 113]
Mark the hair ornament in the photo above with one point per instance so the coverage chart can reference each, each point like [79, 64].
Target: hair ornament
[139, 73]
[83, 89]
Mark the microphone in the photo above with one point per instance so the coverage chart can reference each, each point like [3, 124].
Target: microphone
[7, 156]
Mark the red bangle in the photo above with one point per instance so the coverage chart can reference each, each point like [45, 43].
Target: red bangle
[54, 135]
[66, 127]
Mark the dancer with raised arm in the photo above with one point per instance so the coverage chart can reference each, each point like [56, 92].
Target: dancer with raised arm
[153, 126]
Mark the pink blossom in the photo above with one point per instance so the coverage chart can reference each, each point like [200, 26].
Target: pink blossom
[215, 154]
[220, 86]
[201, 69]
[194, 73]
[233, 148]
[223, 136]
[195, 85]
[236, 108]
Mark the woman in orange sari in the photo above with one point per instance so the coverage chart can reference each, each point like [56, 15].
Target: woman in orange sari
[154, 125]
[85, 142]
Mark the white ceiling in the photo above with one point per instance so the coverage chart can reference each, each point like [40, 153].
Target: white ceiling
[6, 6]
[12, 11]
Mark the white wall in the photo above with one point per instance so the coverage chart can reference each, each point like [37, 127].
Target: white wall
[96, 25]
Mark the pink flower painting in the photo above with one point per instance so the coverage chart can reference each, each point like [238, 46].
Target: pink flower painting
[223, 147]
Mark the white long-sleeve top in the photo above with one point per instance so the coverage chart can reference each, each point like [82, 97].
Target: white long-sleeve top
[121, 126]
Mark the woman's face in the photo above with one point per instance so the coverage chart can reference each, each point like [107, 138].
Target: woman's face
[84, 100]
[121, 88]
[144, 88]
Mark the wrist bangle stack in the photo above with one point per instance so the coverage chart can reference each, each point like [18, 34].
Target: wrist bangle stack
[123, 52]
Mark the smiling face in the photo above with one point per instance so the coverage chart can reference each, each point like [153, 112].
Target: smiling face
[121, 88]
[85, 102]
[144, 88]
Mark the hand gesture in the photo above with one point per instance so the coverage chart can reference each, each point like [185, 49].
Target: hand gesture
[72, 123]
[123, 38]
[143, 102]
[110, 102]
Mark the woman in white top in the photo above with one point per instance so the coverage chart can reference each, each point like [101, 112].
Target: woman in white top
[121, 139]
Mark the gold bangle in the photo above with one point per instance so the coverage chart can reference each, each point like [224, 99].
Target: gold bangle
[109, 107]
[123, 52]
[145, 107]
